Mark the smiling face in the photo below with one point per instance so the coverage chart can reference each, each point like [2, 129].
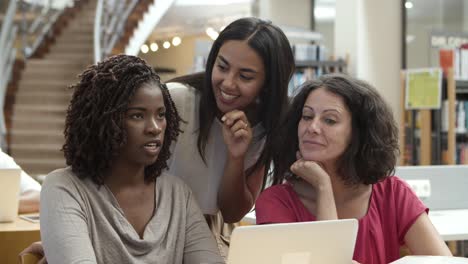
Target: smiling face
[238, 76]
[325, 128]
[145, 124]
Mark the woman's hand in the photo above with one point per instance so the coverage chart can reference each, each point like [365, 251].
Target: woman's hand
[311, 171]
[35, 249]
[237, 133]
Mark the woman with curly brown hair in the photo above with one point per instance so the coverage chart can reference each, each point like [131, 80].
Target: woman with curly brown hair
[340, 144]
[115, 203]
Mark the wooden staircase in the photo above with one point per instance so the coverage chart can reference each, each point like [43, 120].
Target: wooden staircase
[37, 100]
[131, 24]
[42, 97]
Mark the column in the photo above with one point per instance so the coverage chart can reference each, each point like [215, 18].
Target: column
[369, 32]
[295, 13]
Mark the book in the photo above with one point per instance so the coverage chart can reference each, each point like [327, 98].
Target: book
[464, 63]
[446, 59]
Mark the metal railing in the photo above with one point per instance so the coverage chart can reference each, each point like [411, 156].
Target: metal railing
[7, 59]
[109, 24]
[28, 21]
[44, 14]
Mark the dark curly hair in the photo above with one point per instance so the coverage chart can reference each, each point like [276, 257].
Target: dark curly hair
[94, 127]
[372, 153]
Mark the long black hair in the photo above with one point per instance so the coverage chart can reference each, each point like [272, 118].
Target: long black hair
[273, 47]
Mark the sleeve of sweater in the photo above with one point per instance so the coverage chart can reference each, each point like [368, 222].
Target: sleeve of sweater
[200, 245]
[64, 229]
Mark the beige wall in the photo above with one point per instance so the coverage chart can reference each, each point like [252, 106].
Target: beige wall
[326, 28]
[179, 58]
[295, 13]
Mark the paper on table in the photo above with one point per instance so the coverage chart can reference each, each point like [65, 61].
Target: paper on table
[431, 260]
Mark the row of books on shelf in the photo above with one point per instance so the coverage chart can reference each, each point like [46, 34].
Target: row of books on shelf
[456, 58]
[461, 116]
[309, 52]
[313, 71]
[299, 77]
[461, 153]
[439, 154]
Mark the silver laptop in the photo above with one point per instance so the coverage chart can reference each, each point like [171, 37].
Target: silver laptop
[329, 242]
[9, 194]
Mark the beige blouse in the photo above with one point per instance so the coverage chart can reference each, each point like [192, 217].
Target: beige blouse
[83, 223]
[186, 162]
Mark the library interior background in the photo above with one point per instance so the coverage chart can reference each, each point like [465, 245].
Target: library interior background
[415, 52]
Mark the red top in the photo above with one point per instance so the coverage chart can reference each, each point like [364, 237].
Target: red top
[393, 208]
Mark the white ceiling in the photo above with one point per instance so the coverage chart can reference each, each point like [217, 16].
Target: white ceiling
[189, 17]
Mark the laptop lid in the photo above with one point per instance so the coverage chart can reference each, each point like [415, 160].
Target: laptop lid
[9, 194]
[294, 243]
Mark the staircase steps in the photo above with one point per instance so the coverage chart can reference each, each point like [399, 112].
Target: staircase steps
[38, 150]
[40, 165]
[43, 96]
[43, 123]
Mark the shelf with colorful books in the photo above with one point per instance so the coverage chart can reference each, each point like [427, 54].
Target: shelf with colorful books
[339, 64]
[462, 86]
[312, 61]
[440, 136]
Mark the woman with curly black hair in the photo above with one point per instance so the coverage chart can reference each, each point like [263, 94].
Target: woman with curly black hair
[339, 148]
[115, 203]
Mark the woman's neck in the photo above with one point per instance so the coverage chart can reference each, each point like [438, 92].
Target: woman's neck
[342, 192]
[121, 175]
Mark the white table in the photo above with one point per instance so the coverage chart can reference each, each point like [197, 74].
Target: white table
[451, 224]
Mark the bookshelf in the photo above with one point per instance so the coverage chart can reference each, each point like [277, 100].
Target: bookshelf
[420, 130]
[462, 86]
[339, 64]
[312, 69]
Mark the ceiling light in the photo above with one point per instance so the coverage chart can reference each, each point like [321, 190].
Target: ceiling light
[410, 38]
[144, 48]
[324, 12]
[166, 44]
[408, 5]
[176, 41]
[154, 46]
[213, 34]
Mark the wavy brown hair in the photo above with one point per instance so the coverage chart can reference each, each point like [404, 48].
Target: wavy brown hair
[373, 149]
[94, 126]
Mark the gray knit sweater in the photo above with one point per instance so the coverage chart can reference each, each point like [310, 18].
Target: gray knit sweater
[83, 223]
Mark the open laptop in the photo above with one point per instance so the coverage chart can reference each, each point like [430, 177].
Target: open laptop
[9, 194]
[329, 242]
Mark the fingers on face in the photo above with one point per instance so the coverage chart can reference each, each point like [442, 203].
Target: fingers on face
[301, 165]
[237, 123]
[296, 166]
[231, 118]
